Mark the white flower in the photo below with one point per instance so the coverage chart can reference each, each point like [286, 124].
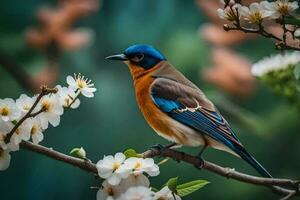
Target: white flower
[36, 130]
[275, 62]
[85, 86]
[229, 13]
[297, 32]
[109, 168]
[21, 133]
[137, 193]
[166, 194]
[24, 103]
[108, 192]
[67, 96]
[280, 8]
[5, 127]
[134, 180]
[141, 165]
[255, 13]
[52, 109]
[9, 110]
[4, 159]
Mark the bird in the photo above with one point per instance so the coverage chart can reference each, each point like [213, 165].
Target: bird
[176, 109]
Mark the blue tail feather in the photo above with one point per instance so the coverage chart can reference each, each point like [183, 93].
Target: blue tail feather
[254, 163]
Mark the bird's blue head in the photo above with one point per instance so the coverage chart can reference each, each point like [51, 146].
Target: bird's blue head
[141, 55]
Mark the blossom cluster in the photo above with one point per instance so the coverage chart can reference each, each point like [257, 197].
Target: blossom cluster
[275, 63]
[26, 118]
[281, 73]
[256, 13]
[125, 179]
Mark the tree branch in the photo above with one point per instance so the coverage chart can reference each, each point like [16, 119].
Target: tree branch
[45, 91]
[22, 77]
[277, 185]
[80, 163]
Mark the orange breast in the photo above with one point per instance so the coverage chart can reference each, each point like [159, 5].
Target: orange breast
[157, 119]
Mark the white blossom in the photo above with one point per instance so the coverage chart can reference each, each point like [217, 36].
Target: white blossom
[166, 194]
[109, 168]
[137, 193]
[4, 159]
[255, 13]
[141, 165]
[21, 133]
[52, 109]
[8, 110]
[280, 8]
[78, 82]
[108, 192]
[275, 62]
[36, 130]
[135, 180]
[5, 128]
[229, 13]
[67, 96]
[297, 32]
[24, 103]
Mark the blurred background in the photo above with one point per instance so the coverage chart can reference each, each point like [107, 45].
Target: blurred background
[43, 41]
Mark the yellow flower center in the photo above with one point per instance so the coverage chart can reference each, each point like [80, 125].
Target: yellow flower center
[231, 14]
[26, 107]
[110, 191]
[283, 8]
[255, 17]
[81, 83]
[67, 102]
[46, 105]
[18, 131]
[138, 165]
[34, 130]
[115, 166]
[2, 137]
[4, 111]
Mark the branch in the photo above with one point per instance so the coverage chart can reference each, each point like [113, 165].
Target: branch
[45, 91]
[22, 77]
[281, 43]
[277, 185]
[80, 163]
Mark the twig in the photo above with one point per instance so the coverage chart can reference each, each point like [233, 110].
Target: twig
[288, 196]
[274, 183]
[29, 114]
[261, 31]
[81, 163]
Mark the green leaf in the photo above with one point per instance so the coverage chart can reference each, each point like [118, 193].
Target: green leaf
[294, 20]
[297, 71]
[131, 153]
[190, 187]
[172, 184]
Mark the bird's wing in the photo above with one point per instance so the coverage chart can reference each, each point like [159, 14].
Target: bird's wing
[189, 106]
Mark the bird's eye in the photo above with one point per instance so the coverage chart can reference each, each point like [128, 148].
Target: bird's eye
[138, 57]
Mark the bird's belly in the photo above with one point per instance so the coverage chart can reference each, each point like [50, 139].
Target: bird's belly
[182, 134]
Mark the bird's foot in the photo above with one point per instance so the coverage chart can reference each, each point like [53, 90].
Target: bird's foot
[200, 162]
[161, 147]
[158, 147]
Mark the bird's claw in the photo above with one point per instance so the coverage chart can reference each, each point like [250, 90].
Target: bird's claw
[200, 163]
[158, 147]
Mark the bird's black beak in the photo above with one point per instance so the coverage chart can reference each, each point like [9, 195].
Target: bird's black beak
[121, 57]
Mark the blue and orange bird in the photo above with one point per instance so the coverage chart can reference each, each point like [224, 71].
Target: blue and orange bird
[176, 108]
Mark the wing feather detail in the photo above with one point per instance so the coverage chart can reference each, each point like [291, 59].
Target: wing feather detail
[189, 106]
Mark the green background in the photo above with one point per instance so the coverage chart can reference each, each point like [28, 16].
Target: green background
[111, 122]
